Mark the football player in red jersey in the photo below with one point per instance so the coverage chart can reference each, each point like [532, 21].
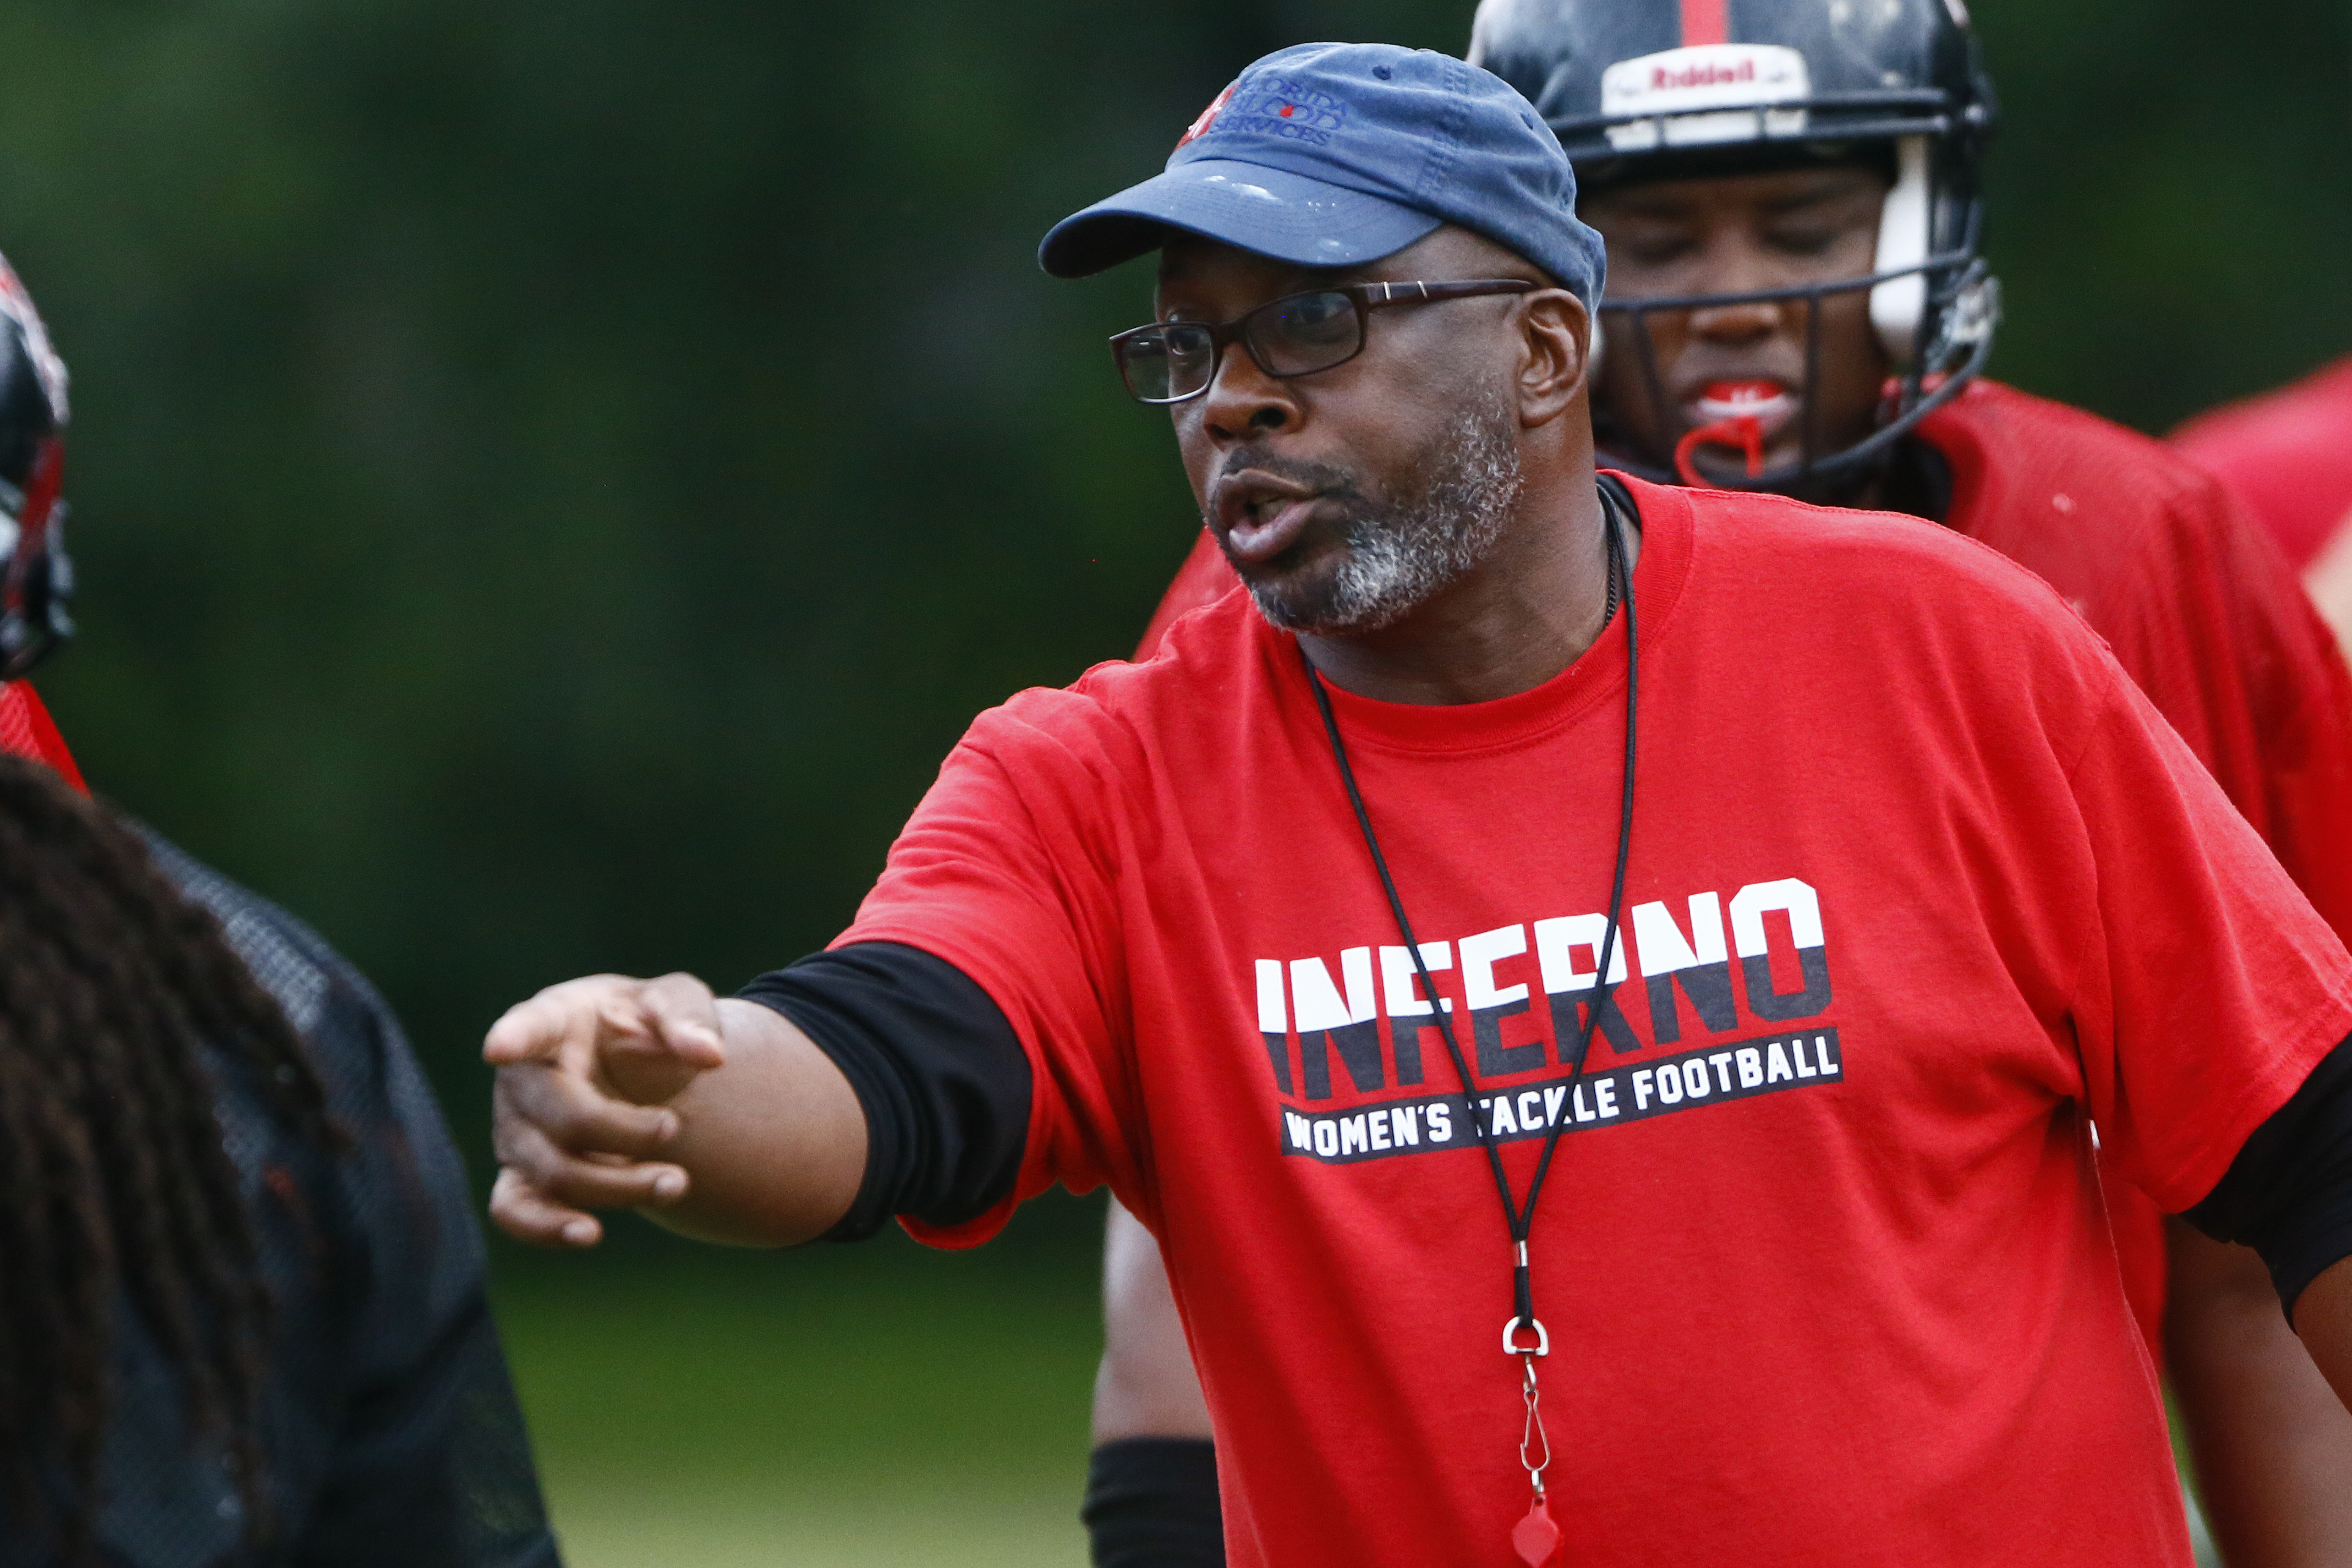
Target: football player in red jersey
[1792, 206]
[2288, 456]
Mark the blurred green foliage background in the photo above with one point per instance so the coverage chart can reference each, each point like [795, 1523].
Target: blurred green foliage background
[553, 477]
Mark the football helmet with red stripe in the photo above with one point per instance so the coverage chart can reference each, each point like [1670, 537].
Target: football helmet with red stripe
[36, 576]
[1641, 90]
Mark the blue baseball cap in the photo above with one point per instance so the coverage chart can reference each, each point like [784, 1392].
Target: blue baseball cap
[1337, 155]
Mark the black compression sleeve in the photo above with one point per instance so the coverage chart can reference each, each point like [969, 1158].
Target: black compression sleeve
[2288, 1195]
[1151, 1502]
[939, 1071]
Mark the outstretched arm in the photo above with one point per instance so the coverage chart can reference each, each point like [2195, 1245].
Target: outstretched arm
[719, 1120]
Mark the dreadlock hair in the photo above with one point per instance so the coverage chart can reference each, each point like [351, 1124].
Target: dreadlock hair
[118, 1187]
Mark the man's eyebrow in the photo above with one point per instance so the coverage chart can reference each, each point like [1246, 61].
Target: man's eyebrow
[1667, 205]
[1652, 204]
[1820, 194]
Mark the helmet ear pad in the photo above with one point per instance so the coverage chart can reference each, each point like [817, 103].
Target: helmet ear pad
[1898, 307]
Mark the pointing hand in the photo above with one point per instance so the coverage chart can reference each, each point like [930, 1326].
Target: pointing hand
[586, 1070]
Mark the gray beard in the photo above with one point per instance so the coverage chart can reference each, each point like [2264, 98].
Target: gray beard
[1402, 554]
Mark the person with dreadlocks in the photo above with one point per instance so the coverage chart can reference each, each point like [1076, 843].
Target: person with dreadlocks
[242, 1317]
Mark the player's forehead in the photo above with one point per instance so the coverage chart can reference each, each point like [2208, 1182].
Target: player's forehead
[1850, 187]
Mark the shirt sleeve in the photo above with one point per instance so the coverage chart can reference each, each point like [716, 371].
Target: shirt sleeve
[2207, 987]
[940, 1075]
[2220, 635]
[1011, 871]
[2288, 1195]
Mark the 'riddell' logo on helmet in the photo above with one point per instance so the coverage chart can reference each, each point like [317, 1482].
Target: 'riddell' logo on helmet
[1667, 79]
[1708, 92]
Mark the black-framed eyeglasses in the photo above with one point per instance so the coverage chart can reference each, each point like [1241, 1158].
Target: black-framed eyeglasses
[1173, 362]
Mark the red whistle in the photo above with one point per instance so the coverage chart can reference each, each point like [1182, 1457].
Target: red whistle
[1536, 1538]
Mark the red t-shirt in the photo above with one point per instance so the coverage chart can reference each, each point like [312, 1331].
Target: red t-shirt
[2288, 456]
[1919, 885]
[2198, 607]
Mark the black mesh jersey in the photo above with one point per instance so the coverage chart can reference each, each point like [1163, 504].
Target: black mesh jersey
[393, 1436]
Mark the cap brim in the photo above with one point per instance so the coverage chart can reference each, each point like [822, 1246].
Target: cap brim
[1290, 217]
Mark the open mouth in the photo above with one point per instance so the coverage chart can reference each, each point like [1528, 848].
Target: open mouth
[1263, 516]
[1767, 403]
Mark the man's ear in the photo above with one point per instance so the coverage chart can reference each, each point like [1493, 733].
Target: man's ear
[1555, 355]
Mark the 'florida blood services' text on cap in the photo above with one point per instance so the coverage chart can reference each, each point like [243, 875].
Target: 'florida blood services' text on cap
[1337, 155]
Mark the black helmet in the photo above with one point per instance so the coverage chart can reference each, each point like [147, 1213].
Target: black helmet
[35, 578]
[1651, 90]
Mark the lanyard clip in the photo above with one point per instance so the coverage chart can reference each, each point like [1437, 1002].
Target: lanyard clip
[1518, 1326]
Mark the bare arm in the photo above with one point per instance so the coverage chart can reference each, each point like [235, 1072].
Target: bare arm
[719, 1120]
[2323, 1316]
[1147, 1387]
[2273, 1445]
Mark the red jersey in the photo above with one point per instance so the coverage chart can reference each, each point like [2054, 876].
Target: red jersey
[1920, 884]
[2288, 456]
[2198, 607]
[27, 730]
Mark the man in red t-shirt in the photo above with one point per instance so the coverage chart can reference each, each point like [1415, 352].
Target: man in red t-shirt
[1763, 242]
[1806, 881]
[2288, 457]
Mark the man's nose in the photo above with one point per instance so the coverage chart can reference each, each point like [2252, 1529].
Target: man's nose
[1242, 402]
[1739, 266]
[1743, 323]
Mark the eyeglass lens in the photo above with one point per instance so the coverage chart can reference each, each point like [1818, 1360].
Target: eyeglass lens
[1165, 363]
[1304, 333]
[1294, 336]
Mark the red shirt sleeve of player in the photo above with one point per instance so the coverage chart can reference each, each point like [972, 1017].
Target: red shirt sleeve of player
[1204, 578]
[2206, 989]
[2288, 455]
[1009, 869]
[2226, 645]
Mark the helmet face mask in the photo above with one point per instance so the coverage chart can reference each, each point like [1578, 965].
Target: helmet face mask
[36, 576]
[1649, 91]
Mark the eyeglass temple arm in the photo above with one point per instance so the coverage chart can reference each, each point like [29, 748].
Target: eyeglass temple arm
[1375, 295]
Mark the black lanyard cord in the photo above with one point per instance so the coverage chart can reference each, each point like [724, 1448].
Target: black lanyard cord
[1520, 1219]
